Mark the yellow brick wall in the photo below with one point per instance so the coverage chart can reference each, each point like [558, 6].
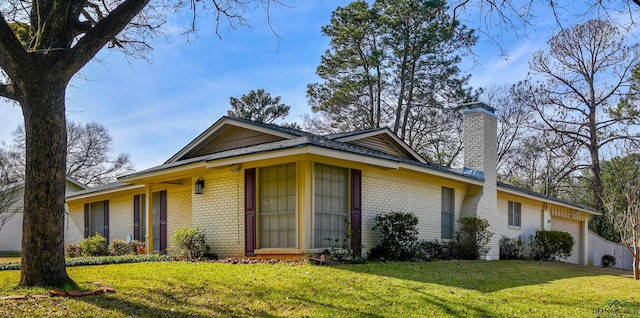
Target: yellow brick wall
[75, 227]
[387, 191]
[219, 211]
[178, 211]
[120, 217]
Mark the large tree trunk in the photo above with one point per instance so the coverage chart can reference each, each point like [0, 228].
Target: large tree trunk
[43, 107]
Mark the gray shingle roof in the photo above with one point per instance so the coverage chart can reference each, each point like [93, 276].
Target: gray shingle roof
[307, 139]
[107, 186]
[540, 195]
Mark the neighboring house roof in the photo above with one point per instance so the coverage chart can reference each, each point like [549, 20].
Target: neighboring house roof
[77, 183]
[20, 184]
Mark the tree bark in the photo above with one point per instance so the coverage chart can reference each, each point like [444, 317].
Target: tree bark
[42, 97]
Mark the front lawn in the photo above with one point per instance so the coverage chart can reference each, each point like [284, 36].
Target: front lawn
[435, 289]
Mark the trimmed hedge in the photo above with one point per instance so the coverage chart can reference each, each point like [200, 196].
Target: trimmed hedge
[189, 243]
[547, 245]
[511, 248]
[94, 246]
[101, 260]
[398, 237]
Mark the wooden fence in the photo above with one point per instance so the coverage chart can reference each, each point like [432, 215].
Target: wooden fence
[599, 247]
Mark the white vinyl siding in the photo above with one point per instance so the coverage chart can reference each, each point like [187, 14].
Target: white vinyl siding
[330, 206]
[277, 206]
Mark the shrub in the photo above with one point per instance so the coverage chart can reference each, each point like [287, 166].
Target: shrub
[608, 260]
[511, 248]
[547, 245]
[398, 236]
[72, 250]
[134, 245]
[119, 247]
[94, 246]
[472, 238]
[434, 250]
[189, 244]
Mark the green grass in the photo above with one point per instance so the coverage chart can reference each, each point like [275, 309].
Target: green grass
[436, 289]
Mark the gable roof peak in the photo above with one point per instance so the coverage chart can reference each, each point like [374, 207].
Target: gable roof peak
[204, 139]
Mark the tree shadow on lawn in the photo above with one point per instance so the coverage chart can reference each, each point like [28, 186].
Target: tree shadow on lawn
[138, 309]
[482, 276]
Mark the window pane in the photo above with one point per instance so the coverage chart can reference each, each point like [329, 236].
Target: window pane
[156, 220]
[514, 213]
[277, 195]
[143, 217]
[330, 205]
[97, 219]
[447, 215]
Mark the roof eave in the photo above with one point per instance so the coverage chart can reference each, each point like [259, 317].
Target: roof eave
[547, 200]
[96, 193]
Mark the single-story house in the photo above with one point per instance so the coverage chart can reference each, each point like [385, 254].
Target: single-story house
[12, 212]
[260, 190]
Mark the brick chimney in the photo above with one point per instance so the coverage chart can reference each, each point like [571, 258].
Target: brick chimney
[481, 159]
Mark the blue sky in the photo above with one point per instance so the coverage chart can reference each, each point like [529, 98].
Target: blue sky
[153, 109]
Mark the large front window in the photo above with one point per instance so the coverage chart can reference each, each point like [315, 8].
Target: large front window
[330, 206]
[277, 206]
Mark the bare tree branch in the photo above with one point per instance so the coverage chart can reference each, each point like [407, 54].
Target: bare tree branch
[103, 32]
[6, 91]
[12, 54]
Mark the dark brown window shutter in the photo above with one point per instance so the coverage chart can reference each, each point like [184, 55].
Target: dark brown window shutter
[356, 212]
[136, 217]
[106, 220]
[250, 212]
[86, 220]
[163, 222]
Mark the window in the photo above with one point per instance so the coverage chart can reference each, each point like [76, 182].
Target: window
[515, 214]
[330, 206]
[96, 219]
[140, 218]
[277, 206]
[448, 208]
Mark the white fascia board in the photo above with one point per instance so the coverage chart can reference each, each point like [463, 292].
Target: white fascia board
[381, 163]
[159, 173]
[386, 164]
[550, 201]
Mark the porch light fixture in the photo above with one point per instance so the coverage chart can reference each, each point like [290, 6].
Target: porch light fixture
[199, 185]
